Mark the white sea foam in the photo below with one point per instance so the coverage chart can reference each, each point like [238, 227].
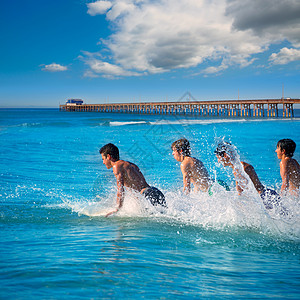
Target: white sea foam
[183, 121]
[274, 119]
[116, 123]
[221, 210]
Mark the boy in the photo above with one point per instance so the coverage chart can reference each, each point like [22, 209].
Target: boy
[227, 156]
[128, 175]
[289, 167]
[192, 169]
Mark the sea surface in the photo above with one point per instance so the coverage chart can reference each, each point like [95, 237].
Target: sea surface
[55, 191]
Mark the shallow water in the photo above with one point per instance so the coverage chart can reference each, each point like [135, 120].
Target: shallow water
[55, 241]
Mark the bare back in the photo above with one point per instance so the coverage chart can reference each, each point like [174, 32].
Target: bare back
[194, 171]
[290, 173]
[130, 174]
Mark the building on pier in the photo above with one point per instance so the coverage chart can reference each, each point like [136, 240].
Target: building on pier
[73, 102]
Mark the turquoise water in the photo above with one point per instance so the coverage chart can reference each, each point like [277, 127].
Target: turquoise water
[54, 189]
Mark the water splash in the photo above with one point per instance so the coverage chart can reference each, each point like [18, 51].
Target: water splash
[223, 210]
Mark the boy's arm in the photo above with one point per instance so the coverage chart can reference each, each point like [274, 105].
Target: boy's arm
[240, 180]
[284, 173]
[120, 190]
[186, 178]
[238, 188]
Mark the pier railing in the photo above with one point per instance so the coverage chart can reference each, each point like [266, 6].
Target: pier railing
[230, 108]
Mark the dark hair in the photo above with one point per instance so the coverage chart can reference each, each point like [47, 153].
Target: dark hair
[288, 145]
[222, 148]
[182, 145]
[110, 149]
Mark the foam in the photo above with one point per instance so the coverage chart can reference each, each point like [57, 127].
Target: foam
[181, 121]
[220, 211]
[223, 210]
[116, 123]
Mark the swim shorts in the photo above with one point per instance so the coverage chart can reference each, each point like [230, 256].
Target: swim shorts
[221, 183]
[272, 200]
[155, 196]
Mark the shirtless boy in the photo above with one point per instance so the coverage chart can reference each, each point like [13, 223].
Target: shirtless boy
[128, 175]
[228, 158]
[289, 167]
[192, 169]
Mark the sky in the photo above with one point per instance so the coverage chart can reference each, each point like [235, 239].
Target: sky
[113, 51]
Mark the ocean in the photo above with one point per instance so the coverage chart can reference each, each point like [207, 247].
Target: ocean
[57, 244]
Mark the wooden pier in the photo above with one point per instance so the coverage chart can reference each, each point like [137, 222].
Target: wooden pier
[228, 108]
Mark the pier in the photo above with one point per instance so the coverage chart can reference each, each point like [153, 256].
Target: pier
[228, 108]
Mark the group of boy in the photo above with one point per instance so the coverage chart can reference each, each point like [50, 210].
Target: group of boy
[194, 173]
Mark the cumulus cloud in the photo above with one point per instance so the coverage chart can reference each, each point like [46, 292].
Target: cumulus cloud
[54, 68]
[278, 19]
[285, 56]
[98, 7]
[214, 70]
[159, 36]
[98, 67]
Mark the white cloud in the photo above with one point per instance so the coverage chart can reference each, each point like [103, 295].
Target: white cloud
[54, 68]
[285, 56]
[214, 70]
[163, 35]
[104, 69]
[120, 8]
[98, 7]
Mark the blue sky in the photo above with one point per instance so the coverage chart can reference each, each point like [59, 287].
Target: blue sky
[142, 50]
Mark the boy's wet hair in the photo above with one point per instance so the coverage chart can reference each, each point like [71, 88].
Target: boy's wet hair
[222, 148]
[288, 145]
[182, 145]
[110, 149]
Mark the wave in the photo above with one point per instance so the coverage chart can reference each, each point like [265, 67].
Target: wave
[221, 211]
[274, 120]
[196, 122]
[172, 121]
[117, 123]
[214, 121]
[39, 125]
[184, 121]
